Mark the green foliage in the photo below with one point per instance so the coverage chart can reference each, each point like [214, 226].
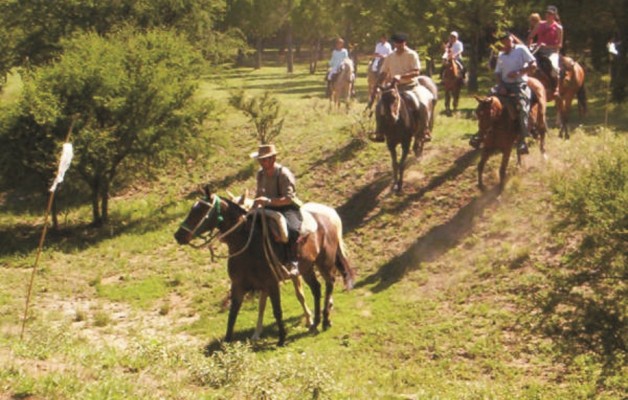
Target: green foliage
[263, 111]
[586, 300]
[132, 97]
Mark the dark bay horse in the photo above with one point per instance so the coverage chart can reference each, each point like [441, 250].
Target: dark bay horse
[497, 127]
[400, 122]
[249, 266]
[452, 83]
[571, 85]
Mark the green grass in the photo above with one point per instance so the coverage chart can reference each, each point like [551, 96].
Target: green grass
[440, 309]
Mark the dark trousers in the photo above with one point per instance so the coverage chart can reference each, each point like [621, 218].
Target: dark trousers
[293, 219]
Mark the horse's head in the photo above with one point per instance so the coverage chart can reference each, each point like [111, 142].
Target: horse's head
[206, 214]
[345, 70]
[487, 112]
[389, 104]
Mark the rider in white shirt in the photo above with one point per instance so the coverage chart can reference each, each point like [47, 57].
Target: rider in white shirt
[453, 50]
[382, 49]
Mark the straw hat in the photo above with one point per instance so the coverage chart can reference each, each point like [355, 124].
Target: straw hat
[264, 151]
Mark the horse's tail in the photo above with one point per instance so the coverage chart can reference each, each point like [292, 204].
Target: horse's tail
[343, 264]
[582, 100]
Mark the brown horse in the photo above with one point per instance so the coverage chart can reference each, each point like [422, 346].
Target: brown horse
[498, 129]
[452, 83]
[400, 122]
[571, 85]
[342, 84]
[251, 269]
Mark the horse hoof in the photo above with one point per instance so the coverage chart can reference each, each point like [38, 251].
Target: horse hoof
[281, 342]
[326, 325]
[313, 329]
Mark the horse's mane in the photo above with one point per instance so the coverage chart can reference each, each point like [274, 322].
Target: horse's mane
[233, 204]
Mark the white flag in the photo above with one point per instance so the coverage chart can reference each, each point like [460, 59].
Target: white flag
[64, 164]
[612, 48]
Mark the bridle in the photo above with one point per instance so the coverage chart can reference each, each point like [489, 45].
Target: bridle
[215, 205]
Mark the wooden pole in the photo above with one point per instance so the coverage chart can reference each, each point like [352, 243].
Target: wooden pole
[42, 238]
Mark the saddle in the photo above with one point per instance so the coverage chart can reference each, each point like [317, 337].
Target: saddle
[278, 225]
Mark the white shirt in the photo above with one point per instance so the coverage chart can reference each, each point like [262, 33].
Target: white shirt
[517, 59]
[337, 57]
[456, 48]
[383, 49]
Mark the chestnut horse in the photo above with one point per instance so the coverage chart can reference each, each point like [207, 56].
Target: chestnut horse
[571, 85]
[498, 129]
[452, 83]
[251, 269]
[399, 122]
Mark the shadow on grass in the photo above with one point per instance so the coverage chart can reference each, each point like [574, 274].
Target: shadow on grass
[341, 155]
[24, 238]
[362, 202]
[432, 245]
[268, 341]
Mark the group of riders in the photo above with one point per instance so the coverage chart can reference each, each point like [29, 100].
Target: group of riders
[400, 65]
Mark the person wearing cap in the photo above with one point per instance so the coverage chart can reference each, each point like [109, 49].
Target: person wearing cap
[404, 67]
[549, 39]
[276, 190]
[338, 55]
[514, 63]
[453, 51]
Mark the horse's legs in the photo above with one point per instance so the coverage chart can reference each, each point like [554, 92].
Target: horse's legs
[329, 303]
[504, 166]
[310, 278]
[405, 149]
[456, 98]
[260, 316]
[395, 166]
[447, 102]
[237, 295]
[275, 300]
[483, 159]
[566, 108]
[298, 289]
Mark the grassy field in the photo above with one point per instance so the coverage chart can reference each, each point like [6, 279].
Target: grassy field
[441, 309]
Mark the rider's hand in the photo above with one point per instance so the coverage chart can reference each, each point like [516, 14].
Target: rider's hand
[397, 78]
[261, 201]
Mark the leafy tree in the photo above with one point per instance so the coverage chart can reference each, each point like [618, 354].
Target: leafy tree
[132, 95]
[263, 111]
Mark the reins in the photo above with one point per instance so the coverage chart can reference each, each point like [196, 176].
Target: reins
[271, 258]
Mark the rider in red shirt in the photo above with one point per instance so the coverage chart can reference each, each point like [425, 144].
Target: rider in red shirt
[549, 39]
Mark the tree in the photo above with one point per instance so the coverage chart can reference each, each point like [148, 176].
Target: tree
[132, 97]
[263, 111]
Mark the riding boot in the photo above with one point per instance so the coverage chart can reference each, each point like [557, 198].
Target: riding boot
[293, 256]
[476, 140]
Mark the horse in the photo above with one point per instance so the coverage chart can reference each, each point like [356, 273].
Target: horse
[452, 83]
[498, 129]
[400, 123]
[251, 267]
[373, 77]
[342, 84]
[570, 85]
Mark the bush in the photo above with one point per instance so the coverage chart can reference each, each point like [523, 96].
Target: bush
[585, 299]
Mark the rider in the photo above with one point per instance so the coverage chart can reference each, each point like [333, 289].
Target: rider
[382, 49]
[453, 51]
[276, 190]
[513, 64]
[403, 66]
[549, 39]
[338, 55]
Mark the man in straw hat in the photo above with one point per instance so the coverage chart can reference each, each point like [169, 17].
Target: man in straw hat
[276, 190]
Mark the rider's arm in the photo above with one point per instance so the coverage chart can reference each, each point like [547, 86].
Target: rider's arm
[533, 34]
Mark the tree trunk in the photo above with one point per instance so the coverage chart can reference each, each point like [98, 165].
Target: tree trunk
[54, 214]
[290, 57]
[314, 52]
[104, 202]
[473, 62]
[258, 53]
[96, 216]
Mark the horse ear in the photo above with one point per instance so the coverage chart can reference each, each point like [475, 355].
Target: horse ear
[207, 191]
[478, 98]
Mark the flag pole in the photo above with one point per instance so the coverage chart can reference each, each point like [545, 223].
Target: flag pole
[43, 232]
